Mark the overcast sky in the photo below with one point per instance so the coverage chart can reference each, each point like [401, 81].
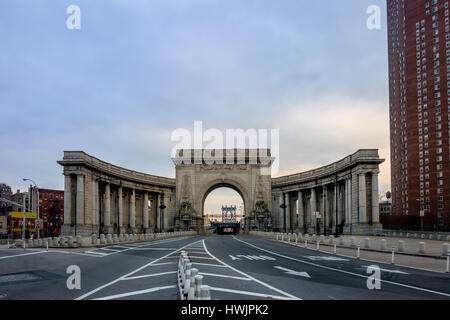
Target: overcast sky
[139, 69]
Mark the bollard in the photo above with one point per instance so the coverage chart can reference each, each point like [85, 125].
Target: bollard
[366, 243]
[70, 242]
[94, 238]
[187, 274]
[318, 245]
[46, 244]
[121, 238]
[296, 239]
[109, 238]
[401, 246]
[439, 237]
[306, 243]
[335, 249]
[62, 242]
[187, 287]
[352, 241]
[393, 255]
[448, 261]
[115, 238]
[421, 247]
[445, 249]
[383, 244]
[359, 250]
[198, 285]
[79, 241]
[205, 293]
[431, 237]
[341, 241]
[102, 239]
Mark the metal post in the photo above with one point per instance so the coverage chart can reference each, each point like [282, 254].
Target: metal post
[335, 251]
[448, 262]
[23, 226]
[359, 250]
[38, 217]
[306, 243]
[393, 254]
[318, 245]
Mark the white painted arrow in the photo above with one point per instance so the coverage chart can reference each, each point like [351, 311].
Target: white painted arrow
[295, 273]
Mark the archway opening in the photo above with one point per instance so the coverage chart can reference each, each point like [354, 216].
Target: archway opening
[223, 209]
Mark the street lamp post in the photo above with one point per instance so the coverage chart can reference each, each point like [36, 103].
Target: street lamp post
[37, 195]
[284, 206]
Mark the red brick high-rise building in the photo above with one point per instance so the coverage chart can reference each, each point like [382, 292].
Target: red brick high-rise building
[419, 92]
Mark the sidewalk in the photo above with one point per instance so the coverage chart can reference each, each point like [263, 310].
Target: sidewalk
[411, 246]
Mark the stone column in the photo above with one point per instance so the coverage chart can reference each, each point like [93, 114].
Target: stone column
[300, 211]
[325, 221]
[107, 209]
[313, 205]
[145, 211]
[348, 203]
[158, 212]
[153, 213]
[288, 211]
[120, 204]
[375, 204]
[340, 203]
[80, 200]
[133, 209]
[94, 191]
[67, 205]
[280, 212]
[362, 198]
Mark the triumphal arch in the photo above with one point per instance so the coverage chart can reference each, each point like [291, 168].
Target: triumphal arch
[199, 172]
[100, 197]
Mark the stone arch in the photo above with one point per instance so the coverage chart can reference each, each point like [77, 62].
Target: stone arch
[234, 184]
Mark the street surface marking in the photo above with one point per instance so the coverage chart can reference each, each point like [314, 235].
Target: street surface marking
[134, 293]
[23, 254]
[128, 274]
[163, 264]
[250, 277]
[324, 258]
[342, 271]
[224, 276]
[387, 270]
[208, 264]
[150, 275]
[248, 293]
[292, 272]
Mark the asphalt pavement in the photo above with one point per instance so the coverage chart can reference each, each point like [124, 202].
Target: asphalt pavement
[235, 267]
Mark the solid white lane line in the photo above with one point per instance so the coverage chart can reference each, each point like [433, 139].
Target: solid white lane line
[108, 249]
[76, 253]
[98, 253]
[162, 264]
[149, 275]
[208, 264]
[22, 254]
[207, 258]
[156, 249]
[250, 277]
[248, 293]
[125, 276]
[134, 293]
[342, 271]
[223, 276]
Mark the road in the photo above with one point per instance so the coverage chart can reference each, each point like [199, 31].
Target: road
[235, 267]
